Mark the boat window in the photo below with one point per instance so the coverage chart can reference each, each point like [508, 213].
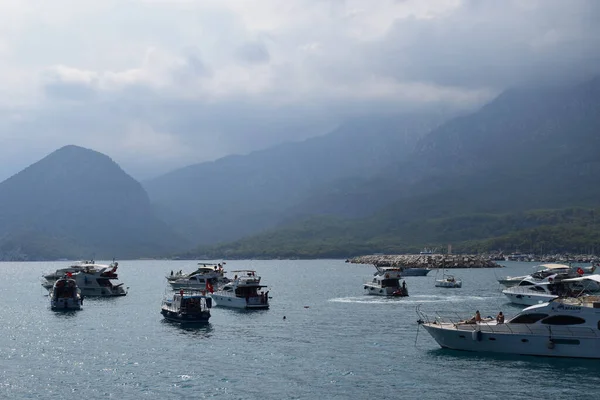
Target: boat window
[525, 283]
[538, 289]
[389, 282]
[528, 318]
[563, 320]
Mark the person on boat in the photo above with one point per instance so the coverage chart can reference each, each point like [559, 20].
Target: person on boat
[171, 272]
[404, 285]
[500, 318]
[476, 318]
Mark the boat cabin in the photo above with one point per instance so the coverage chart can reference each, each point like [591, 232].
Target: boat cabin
[64, 288]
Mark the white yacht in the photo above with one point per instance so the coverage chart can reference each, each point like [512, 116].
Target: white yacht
[214, 275]
[65, 295]
[386, 282]
[203, 269]
[448, 281]
[96, 280]
[529, 291]
[78, 266]
[245, 291]
[545, 270]
[559, 328]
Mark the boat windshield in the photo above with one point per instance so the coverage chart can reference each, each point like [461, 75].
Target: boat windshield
[531, 318]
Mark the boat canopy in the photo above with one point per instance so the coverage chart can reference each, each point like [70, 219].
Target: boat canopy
[595, 278]
[553, 266]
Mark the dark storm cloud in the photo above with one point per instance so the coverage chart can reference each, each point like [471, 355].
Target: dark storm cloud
[494, 44]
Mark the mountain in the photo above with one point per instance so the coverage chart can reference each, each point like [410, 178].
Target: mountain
[240, 195]
[78, 203]
[468, 180]
[527, 140]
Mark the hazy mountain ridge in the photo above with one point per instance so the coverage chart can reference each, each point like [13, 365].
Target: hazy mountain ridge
[240, 195]
[532, 148]
[85, 204]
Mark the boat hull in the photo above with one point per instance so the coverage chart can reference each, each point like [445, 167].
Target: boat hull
[528, 299]
[444, 284]
[224, 300]
[102, 292]
[514, 343]
[390, 291]
[195, 318]
[415, 272]
[65, 304]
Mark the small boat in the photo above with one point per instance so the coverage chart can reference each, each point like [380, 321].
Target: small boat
[65, 295]
[386, 282]
[448, 281]
[564, 327]
[186, 307]
[245, 291]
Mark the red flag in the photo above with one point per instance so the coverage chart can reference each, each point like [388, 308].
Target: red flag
[579, 271]
[209, 287]
[69, 274]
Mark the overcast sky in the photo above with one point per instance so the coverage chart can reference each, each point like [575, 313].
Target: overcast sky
[162, 84]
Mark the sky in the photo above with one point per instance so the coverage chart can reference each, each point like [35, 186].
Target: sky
[158, 85]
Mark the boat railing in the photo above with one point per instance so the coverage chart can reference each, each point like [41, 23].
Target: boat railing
[254, 300]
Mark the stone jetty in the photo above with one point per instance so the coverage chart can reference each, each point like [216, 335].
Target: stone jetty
[427, 261]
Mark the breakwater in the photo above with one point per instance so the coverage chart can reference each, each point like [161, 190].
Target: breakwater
[427, 261]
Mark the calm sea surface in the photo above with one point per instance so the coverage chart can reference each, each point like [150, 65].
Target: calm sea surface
[335, 343]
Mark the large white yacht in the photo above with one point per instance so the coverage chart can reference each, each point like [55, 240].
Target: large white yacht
[78, 266]
[386, 282]
[529, 291]
[65, 295]
[213, 274]
[245, 291]
[559, 328]
[543, 271]
[95, 280]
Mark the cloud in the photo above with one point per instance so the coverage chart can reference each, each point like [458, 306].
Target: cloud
[203, 79]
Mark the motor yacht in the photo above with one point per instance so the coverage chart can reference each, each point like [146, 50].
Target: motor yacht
[51, 277]
[543, 271]
[96, 280]
[564, 327]
[203, 269]
[244, 291]
[65, 295]
[215, 275]
[529, 291]
[186, 307]
[386, 282]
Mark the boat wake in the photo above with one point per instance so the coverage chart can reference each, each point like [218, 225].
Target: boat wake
[407, 300]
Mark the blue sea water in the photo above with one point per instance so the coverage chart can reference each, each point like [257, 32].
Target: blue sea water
[335, 343]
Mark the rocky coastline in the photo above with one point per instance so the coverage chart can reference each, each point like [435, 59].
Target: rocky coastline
[431, 261]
